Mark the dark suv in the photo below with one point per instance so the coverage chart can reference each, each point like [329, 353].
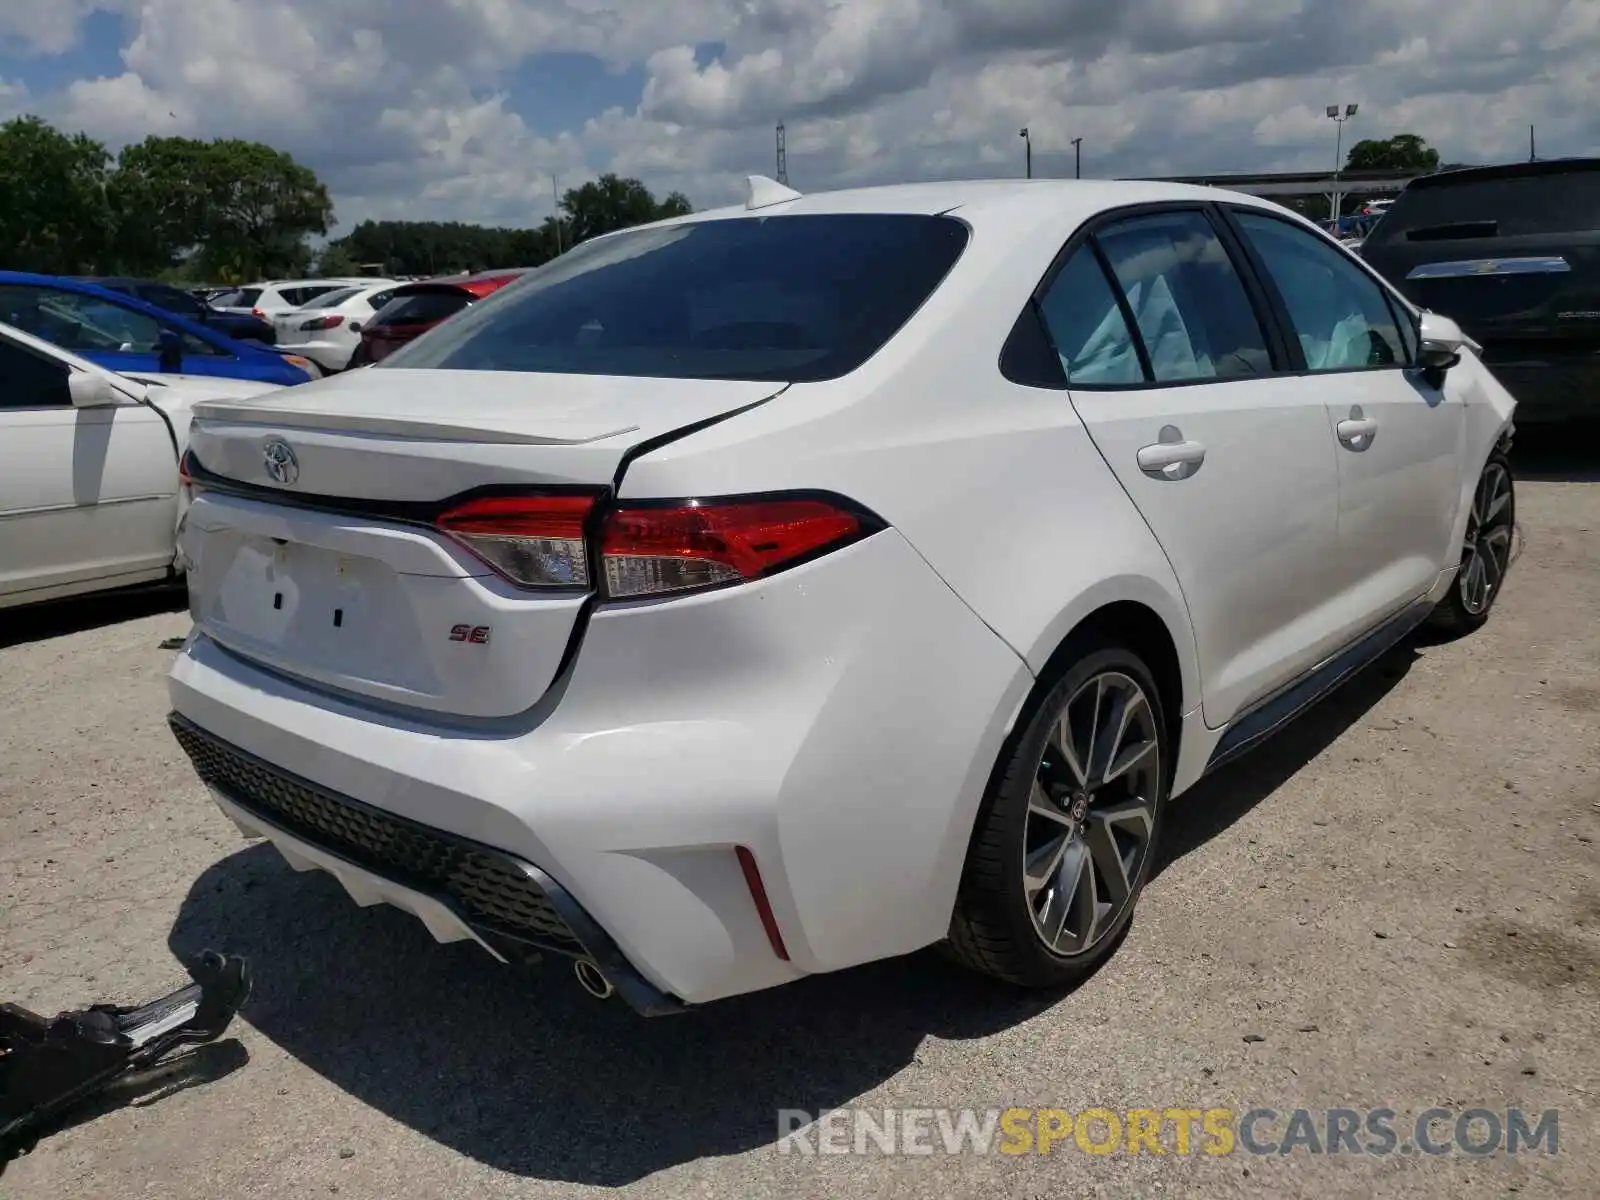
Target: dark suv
[1512, 253]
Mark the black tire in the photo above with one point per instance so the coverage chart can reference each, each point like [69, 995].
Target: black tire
[1456, 615]
[995, 929]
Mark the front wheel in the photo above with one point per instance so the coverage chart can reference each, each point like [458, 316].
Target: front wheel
[1485, 552]
[1066, 837]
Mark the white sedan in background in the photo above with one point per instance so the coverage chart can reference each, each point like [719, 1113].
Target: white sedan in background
[328, 330]
[90, 496]
[800, 584]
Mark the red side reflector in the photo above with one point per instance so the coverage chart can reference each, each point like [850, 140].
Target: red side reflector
[758, 893]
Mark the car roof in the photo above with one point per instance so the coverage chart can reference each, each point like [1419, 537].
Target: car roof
[1513, 170]
[1018, 204]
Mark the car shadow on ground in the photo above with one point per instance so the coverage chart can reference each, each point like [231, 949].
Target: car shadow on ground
[1568, 453]
[1220, 801]
[60, 618]
[526, 1073]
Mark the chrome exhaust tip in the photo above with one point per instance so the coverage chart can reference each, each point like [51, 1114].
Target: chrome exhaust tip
[592, 979]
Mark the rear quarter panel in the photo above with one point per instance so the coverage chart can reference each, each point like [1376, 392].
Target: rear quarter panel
[996, 486]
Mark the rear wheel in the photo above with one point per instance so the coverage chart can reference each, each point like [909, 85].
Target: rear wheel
[1485, 552]
[1065, 838]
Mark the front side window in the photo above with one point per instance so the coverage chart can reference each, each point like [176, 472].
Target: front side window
[1187, 299]
[1340, 315]
[771, 298]
[1086, 326]
[31, 380]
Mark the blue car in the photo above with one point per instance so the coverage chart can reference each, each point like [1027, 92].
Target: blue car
[132, 337]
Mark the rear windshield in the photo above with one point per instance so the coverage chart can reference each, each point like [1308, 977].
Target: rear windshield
[1489, 208]
[238, 298]
[422, 308]
[784, 299]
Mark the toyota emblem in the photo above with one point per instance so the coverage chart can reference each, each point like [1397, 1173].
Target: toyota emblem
[280, 461]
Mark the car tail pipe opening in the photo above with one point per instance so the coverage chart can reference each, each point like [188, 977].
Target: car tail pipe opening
[592, 979]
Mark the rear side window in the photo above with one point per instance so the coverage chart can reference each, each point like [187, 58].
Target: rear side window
[333, 299]
[422, 308]
[300, 296]
[1086, 326]
[238, 298]
[1191, 308]
[1515, 206]
[781, 298]
[1340, 315]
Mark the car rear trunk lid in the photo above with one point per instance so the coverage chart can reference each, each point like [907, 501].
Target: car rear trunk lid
[332, 571]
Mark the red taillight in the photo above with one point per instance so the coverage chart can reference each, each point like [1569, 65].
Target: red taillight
[648, 550]
[316, 323]
[258, 314]
[185, 478]
[534, 541]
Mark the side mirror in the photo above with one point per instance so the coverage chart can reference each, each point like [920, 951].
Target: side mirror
[89, 390]
[1442, 341]
[171, 351]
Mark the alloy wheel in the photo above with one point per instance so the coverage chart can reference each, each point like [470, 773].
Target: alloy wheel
[1486, 550]
[1091, 813]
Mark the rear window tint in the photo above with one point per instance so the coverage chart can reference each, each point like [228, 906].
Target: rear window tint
[238, 298]
[784, 298]
[1489, 208]
[332, 299]
[420, 308]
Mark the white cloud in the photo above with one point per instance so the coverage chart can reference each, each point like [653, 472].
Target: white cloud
[400, 104]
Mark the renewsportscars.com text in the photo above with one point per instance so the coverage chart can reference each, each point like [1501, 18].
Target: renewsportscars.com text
[1212, 1132]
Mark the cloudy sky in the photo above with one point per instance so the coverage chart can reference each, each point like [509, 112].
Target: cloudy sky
[466, 108]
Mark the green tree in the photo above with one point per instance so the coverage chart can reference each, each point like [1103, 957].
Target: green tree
[54, 215]
[158, 195]
[260, 205]
[1402, 152]
[243, 209]
[335, 261]
[610, 203]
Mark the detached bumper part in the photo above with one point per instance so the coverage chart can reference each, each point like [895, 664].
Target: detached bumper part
[47, 1065]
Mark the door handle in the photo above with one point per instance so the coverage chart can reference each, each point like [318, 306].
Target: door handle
[1172, 458]
[1357, 432]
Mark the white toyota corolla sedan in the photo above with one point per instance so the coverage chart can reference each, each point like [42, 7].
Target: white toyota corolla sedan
[786, 587]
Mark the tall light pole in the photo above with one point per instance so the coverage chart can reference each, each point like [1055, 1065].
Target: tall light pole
[1028, 150]
[1077, 158]
[1338, 150]
[555, 194]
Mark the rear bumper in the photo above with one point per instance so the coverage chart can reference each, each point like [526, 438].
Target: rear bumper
[458, 890]
[331, 356]
[839, 721]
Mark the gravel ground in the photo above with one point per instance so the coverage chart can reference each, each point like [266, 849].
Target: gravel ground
[1394, 903]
